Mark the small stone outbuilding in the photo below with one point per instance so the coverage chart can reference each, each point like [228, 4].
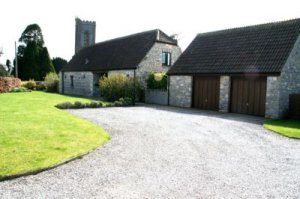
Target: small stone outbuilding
[249, 70]
[135, 55]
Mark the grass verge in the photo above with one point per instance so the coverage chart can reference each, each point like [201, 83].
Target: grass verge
[288, 128]
[35, 135]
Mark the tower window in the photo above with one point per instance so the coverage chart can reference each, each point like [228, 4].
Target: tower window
[86, 40]
[166, 58]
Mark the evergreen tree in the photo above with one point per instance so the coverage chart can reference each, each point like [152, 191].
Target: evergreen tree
[46, 65]
[59, 63]
[33, 58]
[8, 66]
[33, 32]
[3, 72]
[29, 66]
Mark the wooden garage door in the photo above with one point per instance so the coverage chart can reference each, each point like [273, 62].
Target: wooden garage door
[248, 95]
[206, 93]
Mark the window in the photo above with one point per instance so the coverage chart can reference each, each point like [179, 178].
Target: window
[72, 81]
[86, 41]
[166, 59]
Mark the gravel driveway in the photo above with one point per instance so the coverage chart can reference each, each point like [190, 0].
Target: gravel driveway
[164, 152]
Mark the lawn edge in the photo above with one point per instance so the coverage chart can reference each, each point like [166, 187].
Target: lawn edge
[34, 172]
[282, 134]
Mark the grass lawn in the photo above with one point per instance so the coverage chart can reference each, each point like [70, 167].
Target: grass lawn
[289, 128]
[36, 135]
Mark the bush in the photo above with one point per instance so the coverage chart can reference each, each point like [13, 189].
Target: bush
[119, 86]
[78, 105]
[157, 81]
[94, 104]
[64, 105]
[29, 84]
[126, 101]
[20, 90]
[51, 82]
[40, 86]
[9, 83]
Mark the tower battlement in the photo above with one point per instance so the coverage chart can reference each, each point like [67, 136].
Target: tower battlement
[85, 33]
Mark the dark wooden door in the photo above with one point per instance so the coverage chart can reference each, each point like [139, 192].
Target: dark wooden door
[248, 95]
[206, 93]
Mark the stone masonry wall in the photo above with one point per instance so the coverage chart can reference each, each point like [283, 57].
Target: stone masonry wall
[152, 61]
[83, 83]
[290, 79]
[272, 97]
[224, 94]
[154, 96]
[180, 91]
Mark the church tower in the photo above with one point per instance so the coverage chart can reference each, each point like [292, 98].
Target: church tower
[85, 33]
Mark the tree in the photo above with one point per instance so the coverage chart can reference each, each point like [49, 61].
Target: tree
[29, 64]
[59, 63]
[33, 58]
[32, 32]
[3, 72]
[9, 66]
[46, 65]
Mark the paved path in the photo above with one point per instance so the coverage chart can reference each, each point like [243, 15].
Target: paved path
[163, 152]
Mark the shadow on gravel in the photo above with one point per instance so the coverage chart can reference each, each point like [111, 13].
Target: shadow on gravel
[192, 111]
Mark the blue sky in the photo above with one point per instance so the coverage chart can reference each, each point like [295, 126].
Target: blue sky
[116, 18]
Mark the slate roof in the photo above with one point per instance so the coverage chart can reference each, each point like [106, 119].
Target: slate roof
[117, 54]
[253, 49]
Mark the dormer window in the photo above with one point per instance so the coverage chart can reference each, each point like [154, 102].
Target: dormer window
[166, 58]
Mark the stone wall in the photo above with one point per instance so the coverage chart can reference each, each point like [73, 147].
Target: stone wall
[81, 28]
[272, 97]
[290, 79]
[180, 90]
[224, 98]
[83, 83]
[156, 97]
[152, 61]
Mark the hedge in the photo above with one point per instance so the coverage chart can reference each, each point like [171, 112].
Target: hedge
[9, 83]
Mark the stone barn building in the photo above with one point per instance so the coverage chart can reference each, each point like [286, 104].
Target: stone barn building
[249, 70]
[135, 55]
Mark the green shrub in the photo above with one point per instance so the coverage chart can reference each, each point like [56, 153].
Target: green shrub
[20, 89]
[157, 81]
[78, 105]
[31, 84]
[119, 86]
[51, 82]
[94, 104]
[40, 86]
[127, 101]
[100, 104]
[64, 105]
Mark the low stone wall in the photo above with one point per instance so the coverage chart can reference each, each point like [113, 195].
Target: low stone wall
[156, 97]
